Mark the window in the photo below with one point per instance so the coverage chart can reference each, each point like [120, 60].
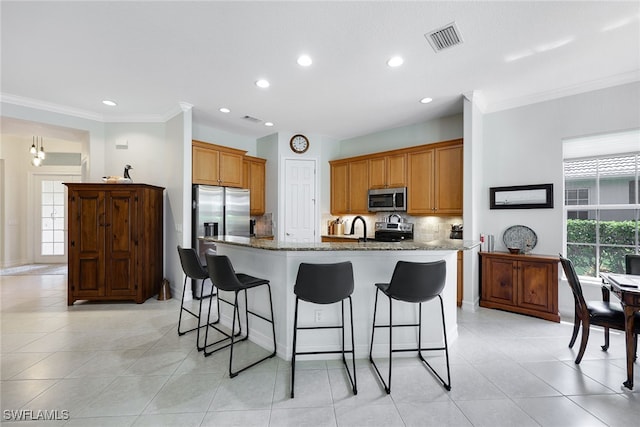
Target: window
[602, 207]
[577, 196]
[52, 218]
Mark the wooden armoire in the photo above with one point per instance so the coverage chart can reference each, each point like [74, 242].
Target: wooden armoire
[115, 241]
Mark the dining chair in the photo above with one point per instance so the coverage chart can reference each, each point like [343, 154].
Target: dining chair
[632, 264]
[606, 314]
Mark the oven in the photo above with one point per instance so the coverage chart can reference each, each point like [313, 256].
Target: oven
[393, 231]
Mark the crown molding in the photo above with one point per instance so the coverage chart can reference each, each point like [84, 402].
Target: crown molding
[617, 80]
[49, 106]
[90, 115]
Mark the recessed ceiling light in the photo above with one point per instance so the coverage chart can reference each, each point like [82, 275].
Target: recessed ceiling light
[109, 103]
[268, 124]
[426, 100]
[225, 110]
[263, 83]
[304, 61]
[396, 61]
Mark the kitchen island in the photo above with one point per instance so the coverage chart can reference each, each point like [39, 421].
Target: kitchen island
[373, 262]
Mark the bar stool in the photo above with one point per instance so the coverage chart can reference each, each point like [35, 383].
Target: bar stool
[324, 284]
[226, 279]
[193, 270]
[413, 282]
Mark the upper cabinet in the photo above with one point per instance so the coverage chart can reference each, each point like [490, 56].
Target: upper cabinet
[254, 169]
[432, 174]
[388, 171]
[349, 185]
[434, 184]
[216, 165]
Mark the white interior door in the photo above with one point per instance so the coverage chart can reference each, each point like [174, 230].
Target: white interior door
[50, 219]
[300, 200]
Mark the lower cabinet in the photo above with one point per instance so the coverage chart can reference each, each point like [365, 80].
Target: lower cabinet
[115, 241]
[526, 284]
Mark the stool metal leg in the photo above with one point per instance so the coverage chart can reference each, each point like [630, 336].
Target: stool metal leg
[352, 376]
[197, 316]
[387, 385]
[353, 347]
[293, 354]
[387, 388]
[273, 330]
[213, 325]
[446, 384]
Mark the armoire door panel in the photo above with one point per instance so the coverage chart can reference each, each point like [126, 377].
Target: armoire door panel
[89, 282]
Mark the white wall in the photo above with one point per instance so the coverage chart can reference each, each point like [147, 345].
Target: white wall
[216, 136]
[443, 129]
[177, 206]
[146, 151]
[95, 130]
[524, 146]
[18, 216]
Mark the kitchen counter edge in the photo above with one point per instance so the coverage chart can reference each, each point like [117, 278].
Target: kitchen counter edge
[274, 245]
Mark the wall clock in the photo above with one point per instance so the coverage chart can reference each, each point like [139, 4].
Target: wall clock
[299, 143]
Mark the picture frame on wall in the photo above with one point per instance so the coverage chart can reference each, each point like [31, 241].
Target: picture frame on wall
[538, 196]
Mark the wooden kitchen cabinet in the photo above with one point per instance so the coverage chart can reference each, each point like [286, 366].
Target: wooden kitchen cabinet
[115, 241]
[526, 284]
[349, 187]
[216, 165]
[388, 171]
[434, 180]
[254, 170]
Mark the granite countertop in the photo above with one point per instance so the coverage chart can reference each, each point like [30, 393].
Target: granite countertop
[274, 245]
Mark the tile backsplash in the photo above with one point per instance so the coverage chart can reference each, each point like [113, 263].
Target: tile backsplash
[264, 225]
[425, 228]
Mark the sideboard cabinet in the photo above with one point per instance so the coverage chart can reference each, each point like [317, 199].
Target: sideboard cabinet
[114, 241]
[526, 284]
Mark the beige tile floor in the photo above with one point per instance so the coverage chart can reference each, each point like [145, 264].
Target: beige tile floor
[122, 364]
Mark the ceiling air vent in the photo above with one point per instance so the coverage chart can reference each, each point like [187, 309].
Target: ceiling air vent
[252, 119]
[445, 37]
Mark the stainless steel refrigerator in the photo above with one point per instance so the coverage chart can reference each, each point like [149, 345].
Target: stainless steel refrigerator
[225, 211]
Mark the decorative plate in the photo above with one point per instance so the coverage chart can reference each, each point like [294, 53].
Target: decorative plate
[520, 236]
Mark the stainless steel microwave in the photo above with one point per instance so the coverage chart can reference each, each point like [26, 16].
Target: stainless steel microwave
[388, 199]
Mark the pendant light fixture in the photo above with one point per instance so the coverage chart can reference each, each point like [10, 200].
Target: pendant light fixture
[37, 152]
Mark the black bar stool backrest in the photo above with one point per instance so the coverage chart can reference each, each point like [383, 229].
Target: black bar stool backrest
[417, 281]
[632, 264]
[222, 273]
[324, 283]
[191, 264]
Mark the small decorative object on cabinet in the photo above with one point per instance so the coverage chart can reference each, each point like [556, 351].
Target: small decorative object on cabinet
[114, 242]
[526, 284]
[520, 238]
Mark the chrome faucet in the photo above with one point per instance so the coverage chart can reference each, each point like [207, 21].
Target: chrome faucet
[364, 225]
